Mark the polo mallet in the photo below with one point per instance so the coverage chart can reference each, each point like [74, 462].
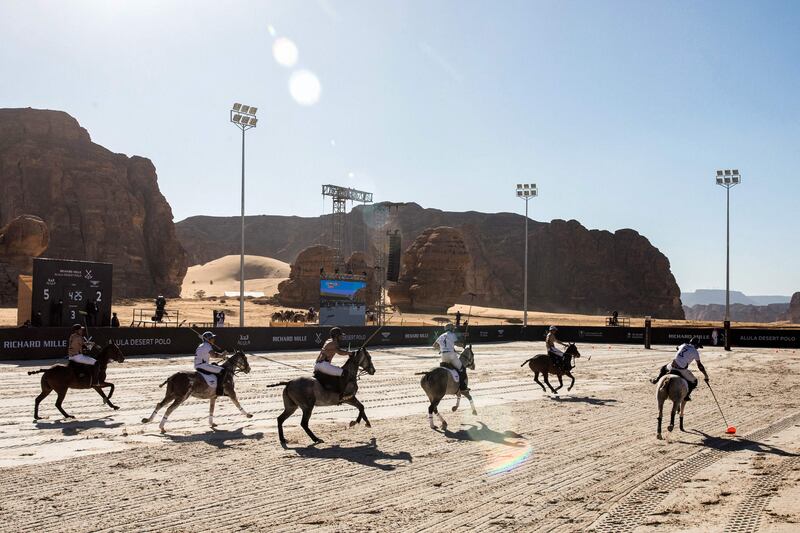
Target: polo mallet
[731, 429]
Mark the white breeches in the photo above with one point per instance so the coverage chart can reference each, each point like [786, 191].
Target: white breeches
[452, 358]
[684, 372]
[208, 367]
[555, 351]
[326, 368]
[83, 359]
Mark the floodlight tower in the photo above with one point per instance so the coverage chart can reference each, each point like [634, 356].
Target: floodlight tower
[244, 117]
[526, 191]
[728, 178]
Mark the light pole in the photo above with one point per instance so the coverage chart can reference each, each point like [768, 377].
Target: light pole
[526, 191]
[728, 178]
[244, 117]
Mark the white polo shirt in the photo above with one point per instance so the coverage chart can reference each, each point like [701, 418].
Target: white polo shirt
[447, 342]
[686, 354]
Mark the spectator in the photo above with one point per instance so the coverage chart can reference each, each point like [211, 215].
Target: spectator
[114, 320]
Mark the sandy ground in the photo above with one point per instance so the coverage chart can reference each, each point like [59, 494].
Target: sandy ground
[588, 460]
[261, 274]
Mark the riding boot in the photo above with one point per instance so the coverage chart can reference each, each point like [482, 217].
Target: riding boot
[692, 386]
[661, 373]
[221, 383]
[462, 380]
[343, 381]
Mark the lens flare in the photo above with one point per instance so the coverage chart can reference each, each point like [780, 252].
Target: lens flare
[285, 52]
[501, 461]
[304, 87]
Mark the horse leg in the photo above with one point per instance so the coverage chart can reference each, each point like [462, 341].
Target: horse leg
[304, 424]
[235, 400]
[168, 398]
[458, 401]
[671, 425]
[572, 382]
[289, 407]
[471, 403]
[361, 414]
[548, 384]
[536, 379]
[560, 382]
[430, 415]
[111, 387]
[211, 403]
[683, 405]
[660, 414]
[175, 403]
[61, 394]
[441, 418]
[105, 398]
[46, 389]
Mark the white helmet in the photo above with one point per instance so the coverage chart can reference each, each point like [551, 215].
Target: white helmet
[553, 328]
[207, 336]
[448, 326]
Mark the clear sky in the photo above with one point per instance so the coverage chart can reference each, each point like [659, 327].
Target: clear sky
[619, 110]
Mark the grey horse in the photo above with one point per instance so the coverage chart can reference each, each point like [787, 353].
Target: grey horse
[306, 393]
[676, 389]
[543, 363]
[438, 383]
[182, 385]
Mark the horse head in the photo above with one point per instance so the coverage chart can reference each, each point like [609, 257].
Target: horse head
[112, 351]
[238, 361]
[468, 358]
[365, 361]
[572, 350]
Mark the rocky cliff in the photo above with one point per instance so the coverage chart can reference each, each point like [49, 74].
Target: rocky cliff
[794, 309]
[433, 272]
[571, 268]
[739, 312]
[22, 239]
[98, 205]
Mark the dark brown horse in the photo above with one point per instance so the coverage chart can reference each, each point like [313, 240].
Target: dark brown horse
[543, 363]
[439, 382]
[61, 377]
[182, 385]
[306, 393]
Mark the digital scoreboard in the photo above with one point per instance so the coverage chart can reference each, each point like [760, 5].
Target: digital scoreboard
[69, 292]
[342, 302]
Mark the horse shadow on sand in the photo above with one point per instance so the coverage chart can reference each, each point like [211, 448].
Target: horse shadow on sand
[367, 454]
[738, 444]
[217, 437]
[484, 433]
[583, 399]
[70, 427]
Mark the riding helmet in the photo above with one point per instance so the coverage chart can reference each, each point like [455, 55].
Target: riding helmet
[553, 328]
[448, 326]
[694, 341]
[76, 327]
[336, 332]
[208, 335]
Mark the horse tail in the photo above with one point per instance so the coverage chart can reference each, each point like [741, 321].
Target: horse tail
[664, 384]
[37, 371]
[278, 384]
[526, 362]
[165, 382]
[420, 373]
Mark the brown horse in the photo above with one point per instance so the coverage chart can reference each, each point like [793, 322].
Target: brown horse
[306, 393]
[543, 363]
[676, 389]
[61, 377]
[182, 385]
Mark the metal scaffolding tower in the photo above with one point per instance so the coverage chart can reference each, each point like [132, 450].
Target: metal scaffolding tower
[340, 196]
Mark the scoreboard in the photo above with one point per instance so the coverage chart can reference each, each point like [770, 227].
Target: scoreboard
[69, 292]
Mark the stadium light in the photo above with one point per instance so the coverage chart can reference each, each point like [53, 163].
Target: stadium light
[526, 191]
[728, 178]
[243, 116]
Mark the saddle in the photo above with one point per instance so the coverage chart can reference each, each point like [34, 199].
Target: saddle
[336, 384]
[81, 371]
[220, 379]
[462, 374]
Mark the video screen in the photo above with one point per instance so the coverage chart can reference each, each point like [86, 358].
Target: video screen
[342, 290]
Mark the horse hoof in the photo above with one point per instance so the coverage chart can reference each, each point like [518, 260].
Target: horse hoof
[474, 412]
[145, 420]
[318, 441]
[213, 425]
[455, 408]
[352, 423]
[444, 427]
[249, 415]
[670, 428]
[163, 430]
[115, 407]
[659, 437]
[367, 424]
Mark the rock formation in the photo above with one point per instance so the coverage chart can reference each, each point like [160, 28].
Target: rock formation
[739, 312]
[98, 205]
[571, 268]
[22, 239]
[794, 309]
[433, 272]
[301, 290]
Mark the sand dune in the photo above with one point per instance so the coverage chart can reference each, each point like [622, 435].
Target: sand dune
[220, 275]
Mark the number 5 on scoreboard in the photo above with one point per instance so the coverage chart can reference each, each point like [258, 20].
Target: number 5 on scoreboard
[46, 293]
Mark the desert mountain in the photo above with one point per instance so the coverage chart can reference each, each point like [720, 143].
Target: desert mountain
[571, 268]
[97, 205]
[261, 274]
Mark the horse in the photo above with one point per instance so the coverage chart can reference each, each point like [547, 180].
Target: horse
[439, 382]
[62, 377]
[306, 393]
[544, 363]
[182, 385]
[676, 389]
